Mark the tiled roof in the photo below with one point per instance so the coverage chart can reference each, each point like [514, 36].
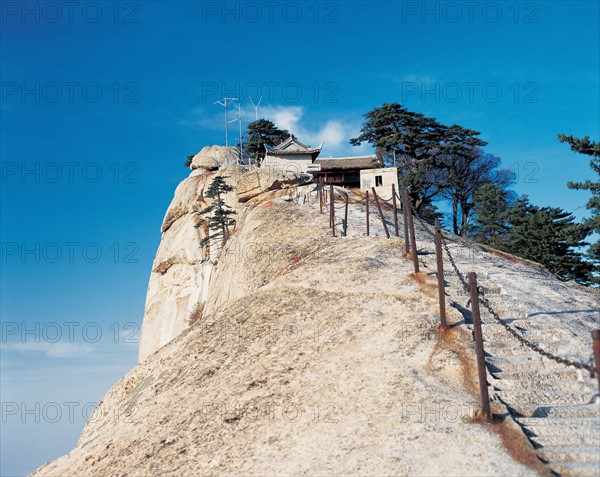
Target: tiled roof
[290, 141]
[356, 162]
[294, 151]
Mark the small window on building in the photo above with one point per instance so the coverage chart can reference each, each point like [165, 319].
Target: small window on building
[378, 181]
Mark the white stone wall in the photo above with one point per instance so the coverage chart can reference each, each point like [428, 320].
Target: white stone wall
[389, 177]
[290, 163]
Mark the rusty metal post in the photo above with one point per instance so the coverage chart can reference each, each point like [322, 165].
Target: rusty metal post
[440, 273]
[332, 210]
[380, 212]
[404, 211]
[481, 371]
[367, 213]
[395, 209]
[346, 218]
[411, 231]
[596, 339]
[329, 196]
[322, 196]
[320, 188]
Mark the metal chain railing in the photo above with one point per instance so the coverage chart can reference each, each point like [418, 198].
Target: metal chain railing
[482, 299]
[567, 362]
[475, 293]
[488, 306]
[534, 347]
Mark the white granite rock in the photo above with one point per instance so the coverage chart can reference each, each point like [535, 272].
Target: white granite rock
[257, 181]
[182, 268]
[213, 157]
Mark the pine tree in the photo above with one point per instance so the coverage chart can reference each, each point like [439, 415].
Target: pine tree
[417, 142]
[464, 174]
[188, 160]
[410, 136]
[549, 236]
[490, 205]
[261, 133]
[591, 224]
[220, 213]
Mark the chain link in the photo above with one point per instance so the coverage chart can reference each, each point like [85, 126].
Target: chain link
[460, 276]
[488, 306]
[524, 341]
[534, 347]
[485, 302]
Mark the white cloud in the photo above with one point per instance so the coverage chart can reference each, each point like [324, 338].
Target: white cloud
[334, 133]
[285, 117]
[203, 118]
[51, 350]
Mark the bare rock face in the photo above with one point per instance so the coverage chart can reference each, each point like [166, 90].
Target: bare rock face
[188, 197]
[210, 158]
[258, 181]
[181, 270]
[178, 282]
[205, 162]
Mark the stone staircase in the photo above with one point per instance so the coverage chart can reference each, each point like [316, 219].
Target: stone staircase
[554, 407]
[557, 407]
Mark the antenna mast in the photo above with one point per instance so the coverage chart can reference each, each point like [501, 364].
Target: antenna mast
[240, 120]
[255, 106]
[225, 102]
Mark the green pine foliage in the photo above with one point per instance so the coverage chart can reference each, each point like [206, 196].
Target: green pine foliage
[550, 236]
[491, 204]
[411, 136]
[591, 224]
[220, 214]
[261, 133]
[547, 235]
[421, 145]
[188, 160]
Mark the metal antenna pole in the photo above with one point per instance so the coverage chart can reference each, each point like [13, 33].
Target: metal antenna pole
[224, 102]
[240, 118]
[226, 126]
[255, 106]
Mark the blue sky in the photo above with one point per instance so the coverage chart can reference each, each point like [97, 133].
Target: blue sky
[101, 103]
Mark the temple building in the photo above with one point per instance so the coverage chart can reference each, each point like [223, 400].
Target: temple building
[344, 171]
[354, 171]
[291, 155]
